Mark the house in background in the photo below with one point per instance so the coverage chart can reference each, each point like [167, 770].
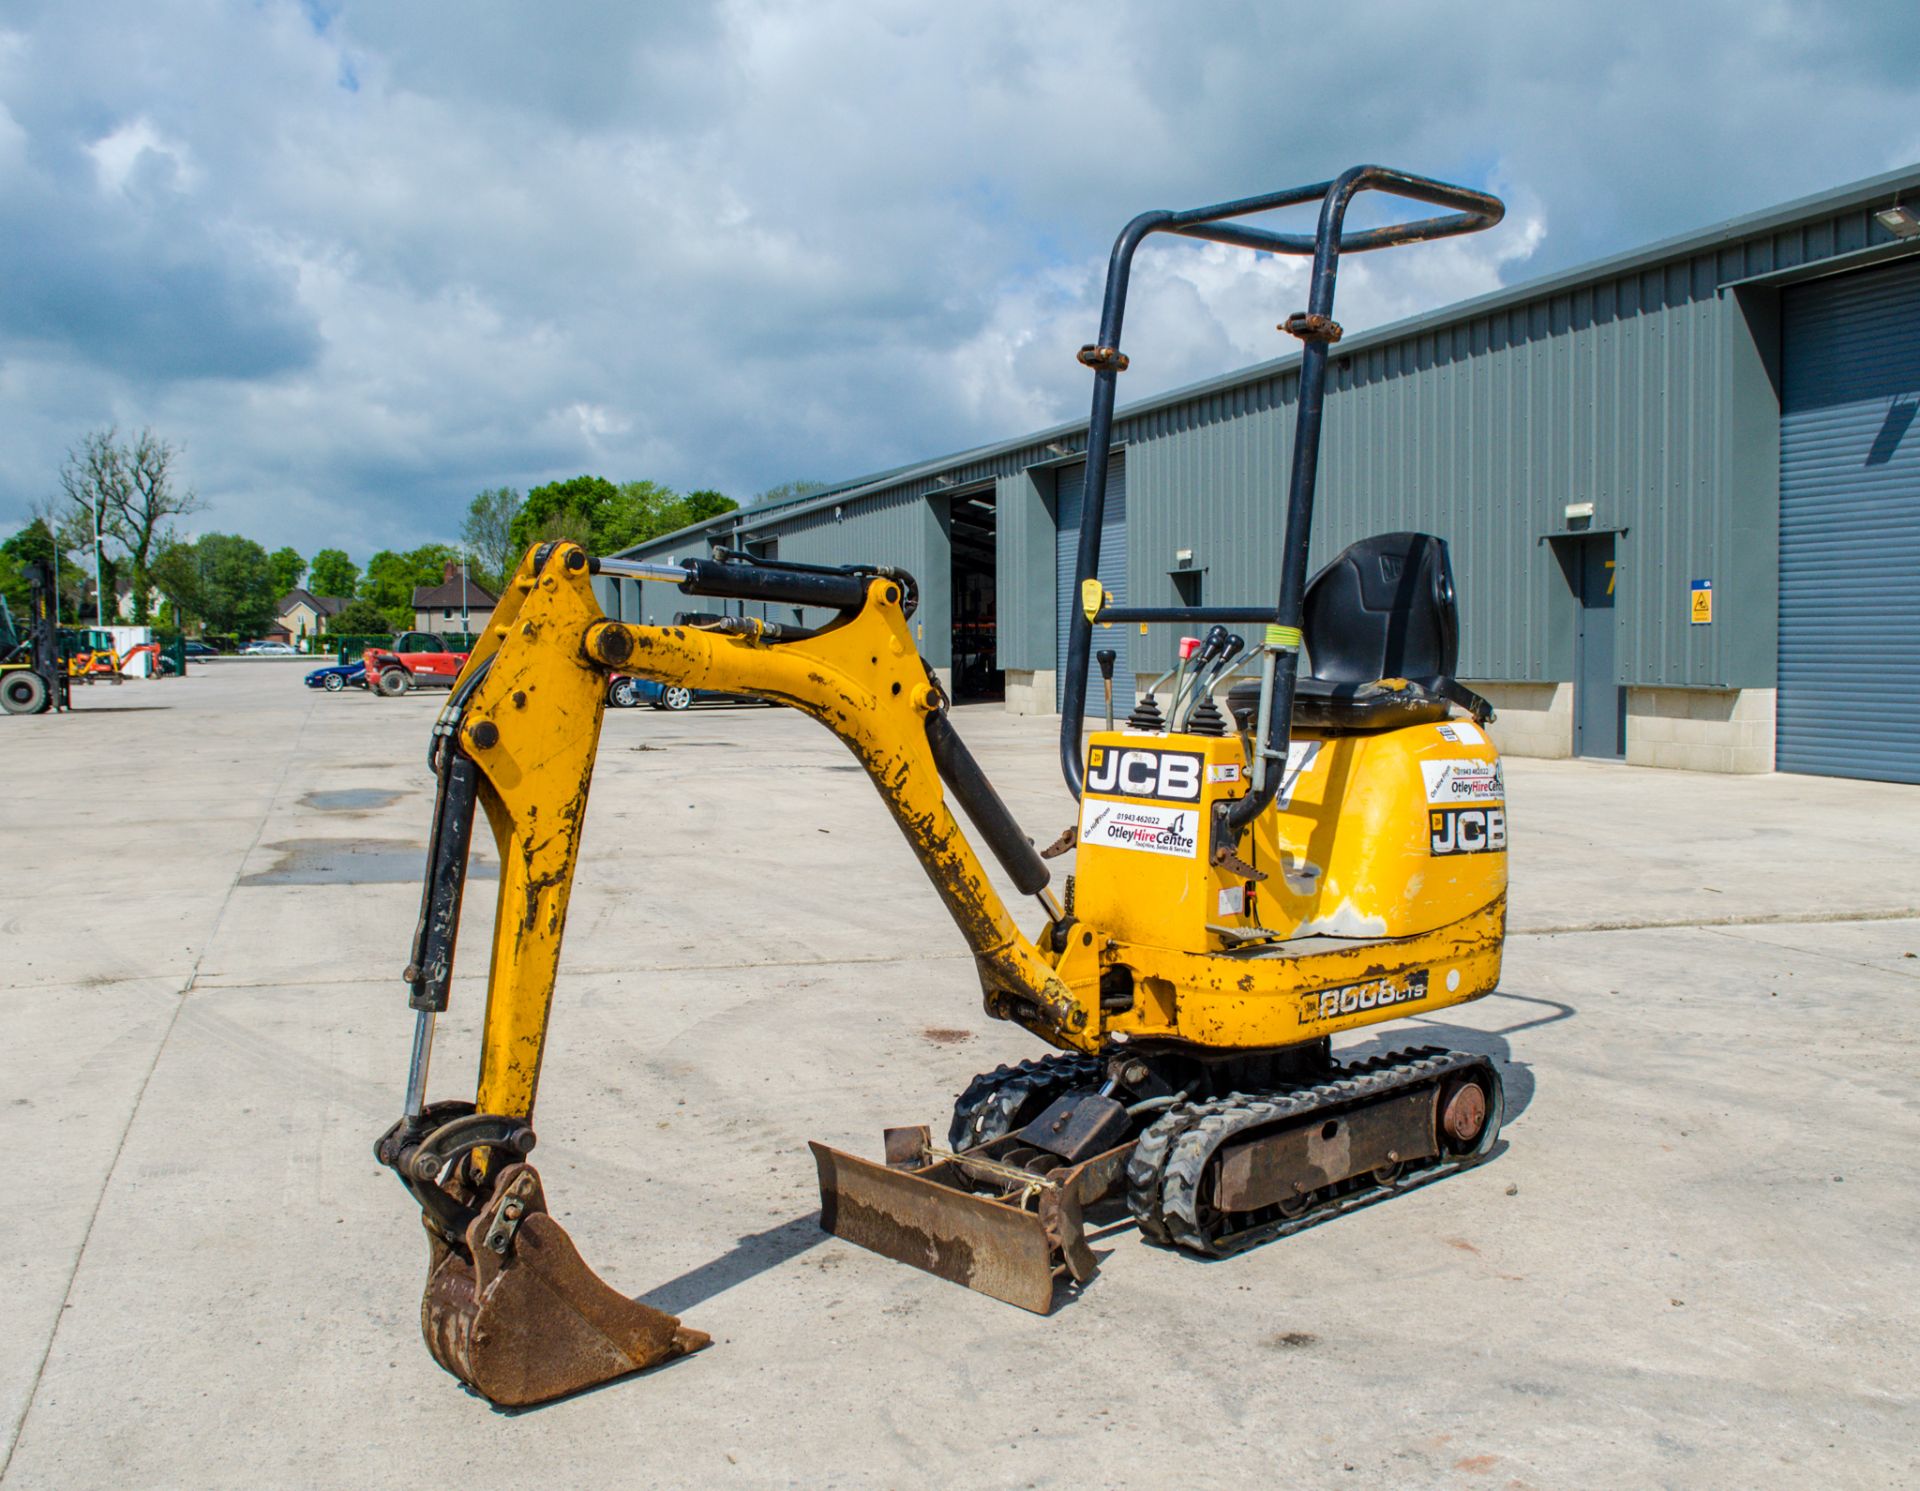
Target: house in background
[457, 604]
[301, 613]
[123, 600]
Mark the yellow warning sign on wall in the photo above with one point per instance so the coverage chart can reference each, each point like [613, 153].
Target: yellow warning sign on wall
[1702, 595]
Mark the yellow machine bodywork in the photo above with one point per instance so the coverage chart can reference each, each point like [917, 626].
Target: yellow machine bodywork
[1353, 903]
[1352, 918]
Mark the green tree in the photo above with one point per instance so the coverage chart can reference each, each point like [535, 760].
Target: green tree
[391, 578]
[33, 544]
[489, 536]
[801, 487]
[592, 511]
[235, 581]
[697, 507]
[576, 509]
[288, 567]
[37, 544]
[175, 572]
[363, 619]
[684, 512]
[640, 511]
[132, 487]
[333, 573]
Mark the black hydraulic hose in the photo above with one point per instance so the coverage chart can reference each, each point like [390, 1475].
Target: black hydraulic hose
[990, 815]
[431, 973]
[830, 590]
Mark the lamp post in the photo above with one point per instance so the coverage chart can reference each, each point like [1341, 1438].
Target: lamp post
[99, 601]
[466, 630]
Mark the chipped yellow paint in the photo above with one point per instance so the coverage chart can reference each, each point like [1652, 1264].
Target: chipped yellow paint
[1394, 930]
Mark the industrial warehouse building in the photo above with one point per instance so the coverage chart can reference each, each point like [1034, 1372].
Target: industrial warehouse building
[1679, 487]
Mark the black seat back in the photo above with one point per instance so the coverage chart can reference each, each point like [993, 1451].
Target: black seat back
[1384, 608]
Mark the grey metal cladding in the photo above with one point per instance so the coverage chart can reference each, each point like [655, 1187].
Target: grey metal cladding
[1628, 391]
[891, 529]
[1024, 563]
[1643, 384]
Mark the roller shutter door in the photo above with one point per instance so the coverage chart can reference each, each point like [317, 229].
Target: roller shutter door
[1113, 575]
[1849, 701]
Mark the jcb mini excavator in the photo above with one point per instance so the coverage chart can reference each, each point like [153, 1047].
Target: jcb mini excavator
[1330, 857]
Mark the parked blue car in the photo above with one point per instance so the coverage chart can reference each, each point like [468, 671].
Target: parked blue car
[629, 693]
[337, 676]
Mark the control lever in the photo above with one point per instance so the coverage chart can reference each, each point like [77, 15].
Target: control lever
[1203, 656]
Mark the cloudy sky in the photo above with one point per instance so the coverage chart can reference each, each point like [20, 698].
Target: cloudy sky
[362, 258]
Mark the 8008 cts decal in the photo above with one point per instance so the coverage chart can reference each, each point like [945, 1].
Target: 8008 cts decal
[1379, 994]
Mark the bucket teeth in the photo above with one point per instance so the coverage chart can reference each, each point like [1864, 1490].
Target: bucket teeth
[520, 1318]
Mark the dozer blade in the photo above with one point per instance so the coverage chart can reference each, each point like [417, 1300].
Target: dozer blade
[520, 1318]
[1014, 1239]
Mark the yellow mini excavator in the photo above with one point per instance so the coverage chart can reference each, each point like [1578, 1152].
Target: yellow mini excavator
[1326, 853]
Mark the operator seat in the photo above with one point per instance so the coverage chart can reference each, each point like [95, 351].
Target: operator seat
[1382, 630]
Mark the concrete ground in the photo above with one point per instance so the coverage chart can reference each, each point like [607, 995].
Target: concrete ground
[1693, 1265]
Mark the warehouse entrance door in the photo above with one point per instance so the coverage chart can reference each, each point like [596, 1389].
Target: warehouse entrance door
[1849, 700]
[1599, 703]
[971, 530]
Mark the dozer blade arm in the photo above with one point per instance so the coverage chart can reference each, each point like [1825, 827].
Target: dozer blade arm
[510, 1308]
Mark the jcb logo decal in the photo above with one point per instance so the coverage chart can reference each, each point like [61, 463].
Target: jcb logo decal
[1170, 776]
[1467, 831]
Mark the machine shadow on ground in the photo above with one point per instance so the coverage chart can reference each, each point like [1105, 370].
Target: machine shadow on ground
[753, 1255]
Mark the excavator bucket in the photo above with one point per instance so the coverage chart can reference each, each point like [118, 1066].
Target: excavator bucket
[521, 1319]
[978, 1218]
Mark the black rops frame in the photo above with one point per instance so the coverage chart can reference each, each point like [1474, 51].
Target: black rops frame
[1474, 211]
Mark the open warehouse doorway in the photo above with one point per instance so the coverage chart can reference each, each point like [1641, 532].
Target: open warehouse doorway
[972, 530]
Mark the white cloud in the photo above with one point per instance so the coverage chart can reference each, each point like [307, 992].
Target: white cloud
[366, 259]
[136, 153]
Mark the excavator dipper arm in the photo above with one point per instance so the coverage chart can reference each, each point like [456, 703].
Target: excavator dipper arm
[510, 1308]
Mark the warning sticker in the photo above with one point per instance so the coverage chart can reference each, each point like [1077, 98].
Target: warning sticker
[1461, 733]
[1125, 825]
[1233, 901]
[1463, 781]
[1226, 771]
[1301, 754]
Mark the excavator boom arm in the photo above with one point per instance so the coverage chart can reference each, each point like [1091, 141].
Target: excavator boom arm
[517, 742]
[531, 726]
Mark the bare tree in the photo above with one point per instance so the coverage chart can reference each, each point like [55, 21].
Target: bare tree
[132, 488]
[488, 534]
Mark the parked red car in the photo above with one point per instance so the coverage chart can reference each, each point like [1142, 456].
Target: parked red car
[417, 660]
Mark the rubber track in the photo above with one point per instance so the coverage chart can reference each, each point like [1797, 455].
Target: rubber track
[1149, 1159]
[1191, 1150]
[986, 1110]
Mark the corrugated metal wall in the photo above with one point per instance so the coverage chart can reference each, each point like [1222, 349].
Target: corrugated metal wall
[1481, 432]
[1024, 530]
[896, 528]
[1639, 388]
